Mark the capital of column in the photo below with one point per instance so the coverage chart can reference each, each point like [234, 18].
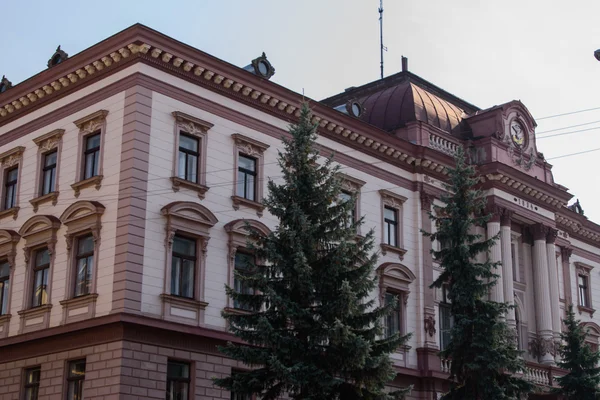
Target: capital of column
[426, 201]
[551, 235]
[566, 253]
[505, 217]
[494, 211]
[539, 231]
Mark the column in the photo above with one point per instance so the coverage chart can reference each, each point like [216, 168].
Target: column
[428, 293]
[565, 255]
[541, 286]
[507, 267]
[495, 255]
[553, 282]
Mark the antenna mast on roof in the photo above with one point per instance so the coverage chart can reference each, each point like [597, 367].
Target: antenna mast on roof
[382, 47]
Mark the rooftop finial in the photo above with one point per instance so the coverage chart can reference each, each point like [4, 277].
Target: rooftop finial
[382, 47]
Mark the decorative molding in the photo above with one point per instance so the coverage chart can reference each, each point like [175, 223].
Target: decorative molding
[95, 181]
[429, 325]
[197, 187]
[240, 201]
[58, 57]
[91, 123]
[349, 183]
[12, 157]
[539, 231]
[392, 199]
[50, 197]
[539, 347]
[191, 125]
[11, 212]
[49, 140]
[426, 200]
[386, 248]
[249, 146]
[551, 235]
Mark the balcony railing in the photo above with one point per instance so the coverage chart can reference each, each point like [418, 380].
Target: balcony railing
[443, 144]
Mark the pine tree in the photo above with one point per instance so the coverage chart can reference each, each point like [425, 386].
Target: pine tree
[485, 362]
[315, 332]
[581, 383]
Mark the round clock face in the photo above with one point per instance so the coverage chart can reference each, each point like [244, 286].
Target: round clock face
[517, 133]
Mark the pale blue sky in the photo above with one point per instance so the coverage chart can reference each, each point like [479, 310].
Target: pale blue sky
[485, 52]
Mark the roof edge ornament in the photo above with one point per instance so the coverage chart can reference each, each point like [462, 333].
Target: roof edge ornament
[261, 66]
[58, 57]
[5, 84]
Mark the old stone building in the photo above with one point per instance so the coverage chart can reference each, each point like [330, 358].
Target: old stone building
[128, 172]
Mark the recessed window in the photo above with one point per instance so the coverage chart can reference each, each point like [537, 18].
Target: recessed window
[49, 173]
[390, 228]
[178, 380]
[393, 322]
[189, 152]
[91, 158]
[246, 179]
[345, 197]
[183, 267]
[41, 269]
[75, 379]
[10, 188]
[583, 291]
[446, 319]
[84, 263]
[243, 264]
[32, 383]
[4, 286]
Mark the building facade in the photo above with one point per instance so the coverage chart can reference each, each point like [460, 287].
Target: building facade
[129, 171]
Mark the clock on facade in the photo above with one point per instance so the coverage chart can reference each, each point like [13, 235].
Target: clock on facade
[517, 133]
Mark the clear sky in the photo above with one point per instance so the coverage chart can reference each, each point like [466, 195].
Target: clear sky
[486, 52]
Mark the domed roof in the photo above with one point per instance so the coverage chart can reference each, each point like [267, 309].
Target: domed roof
[393, 107]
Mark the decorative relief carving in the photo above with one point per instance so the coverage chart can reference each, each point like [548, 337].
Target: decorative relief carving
[539, 231]
[190, 124]
[429, 325]
[170, 237]
[551, 235]
[392, 199]
[12, 157]
[566, 253]
[426, 200]
[91, 123]
[539, 347]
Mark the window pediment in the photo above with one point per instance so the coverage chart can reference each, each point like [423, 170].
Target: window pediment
[189, 217]
[8, 244]
[38, 225]
[244, 226]
[583, 269]
[395, 276]
[81, 209]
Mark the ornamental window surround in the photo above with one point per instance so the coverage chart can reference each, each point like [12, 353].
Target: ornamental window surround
[248, 173]
[584, 296]
[91, 138]
[10, 180]
[190, 153]
[395, 280]
[188, 227]
[40, 235]
[240, 252]
[48, 161]
[445, 316]
[8, 252]
[392, 239]
[351, 187]
[83, 222]
[592, 337]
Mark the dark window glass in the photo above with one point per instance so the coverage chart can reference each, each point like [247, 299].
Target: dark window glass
[513, 257]
[246, 179]
[188, 157]
[390, 226]
[178, 380]
[583, 291]
[393, 322]
[183, 267]
[446, 319]
[4, 285]
[243, 265]
[75, 379]
[240, 396]
[49, 173]
[84, 262]
[10, 188]
[343, 198]
[91, 156]
[32, 383]
[518, 333]
[41, 268]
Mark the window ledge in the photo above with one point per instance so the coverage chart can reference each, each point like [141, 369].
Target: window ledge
[385, 248]
[50, 197]
[10, 212]
[237, 201]
[79, 301]
[95, 181]
[588, 310]
[236, 311]
[35, 311]
[183, 301]
[179, 182]
[5, 318]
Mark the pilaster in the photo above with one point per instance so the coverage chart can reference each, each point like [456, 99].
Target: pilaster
[495, 255]
[553, 281]
[507, 267]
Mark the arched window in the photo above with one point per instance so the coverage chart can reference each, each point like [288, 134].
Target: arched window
[8, 251]
[188, 232]
[593, 335]
[39, 233]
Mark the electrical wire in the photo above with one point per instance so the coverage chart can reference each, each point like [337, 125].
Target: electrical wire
[568, 113]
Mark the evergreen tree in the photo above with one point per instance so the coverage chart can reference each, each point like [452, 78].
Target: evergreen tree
[581, 383]
[314, 331]
[482, 348]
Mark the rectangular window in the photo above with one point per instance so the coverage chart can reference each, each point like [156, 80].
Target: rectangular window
[84, 262]
[183, 267]
[344, 197]
[583, 291]
[32, 383]
[91, 158]
[243, 265]
[188, 158]
[75, 379]
[246, 179]
[4, 285]
[41, 268]
[390, 227]
[393, 322]
[178, 380]
[446, 319]
[10, 188]
[49, 173]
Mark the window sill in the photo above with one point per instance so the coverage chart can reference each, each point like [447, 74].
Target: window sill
[79, 308]
[236, 311]
[588, 310]
[237, 201]
[50, 197]
[34, 318]
[386, 248]
[95, 181]
[4, 322]
[184, 301]
[197, 187]
[35, 311]
[10, 212]
[183, 310]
